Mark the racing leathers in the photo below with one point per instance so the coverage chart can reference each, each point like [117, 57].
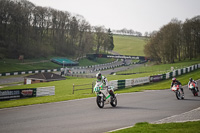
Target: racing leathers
[105, 85]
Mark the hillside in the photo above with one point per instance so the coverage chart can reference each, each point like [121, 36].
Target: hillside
[125, 45]
[129, 45]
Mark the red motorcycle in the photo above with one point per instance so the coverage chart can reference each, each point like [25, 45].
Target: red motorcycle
[179, 95]
[192, 87]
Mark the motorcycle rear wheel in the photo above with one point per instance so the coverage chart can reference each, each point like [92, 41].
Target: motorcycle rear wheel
[100, 101]
[194, 92]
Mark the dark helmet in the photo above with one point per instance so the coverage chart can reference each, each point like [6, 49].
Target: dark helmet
[191, 80]
[98, 76]
[173, 79]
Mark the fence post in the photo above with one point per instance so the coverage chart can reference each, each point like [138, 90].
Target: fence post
[73, 89]
[92, 86]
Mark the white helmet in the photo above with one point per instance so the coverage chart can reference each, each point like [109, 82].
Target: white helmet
[99, 76]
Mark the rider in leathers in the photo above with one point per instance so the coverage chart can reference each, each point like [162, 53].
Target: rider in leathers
[174, 81]
[104, 80]
[191, 80]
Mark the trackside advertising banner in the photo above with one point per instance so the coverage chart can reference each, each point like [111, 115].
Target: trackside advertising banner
[24, 93]
[115, 56]
[138, 81]
[156, 78]
[14, 94]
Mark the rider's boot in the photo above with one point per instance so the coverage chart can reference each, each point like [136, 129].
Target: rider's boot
[112, 94]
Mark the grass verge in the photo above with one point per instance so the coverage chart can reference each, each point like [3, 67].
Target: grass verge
[144, 127]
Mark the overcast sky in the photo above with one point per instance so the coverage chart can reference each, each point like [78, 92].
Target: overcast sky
[138, 15]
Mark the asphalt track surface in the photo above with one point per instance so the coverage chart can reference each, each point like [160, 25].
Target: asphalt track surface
[83, 116]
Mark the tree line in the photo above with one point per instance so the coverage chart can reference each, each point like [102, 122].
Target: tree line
[175, 41]
[125, 31]
[35, 31]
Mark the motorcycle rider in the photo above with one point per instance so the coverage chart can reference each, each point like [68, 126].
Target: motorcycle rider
[190, 81]
[174, 81]
[104, 80]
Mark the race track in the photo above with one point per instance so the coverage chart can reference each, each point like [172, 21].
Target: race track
[83, 116]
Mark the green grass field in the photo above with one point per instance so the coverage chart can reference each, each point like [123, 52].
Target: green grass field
[144, 127]
[129, 45]
[162, 68]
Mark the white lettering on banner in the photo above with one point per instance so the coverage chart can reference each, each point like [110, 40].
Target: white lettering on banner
[123, 57]
[142, 80]
[157, 77]
[4, 93]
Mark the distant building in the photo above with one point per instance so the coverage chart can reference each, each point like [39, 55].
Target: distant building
[42, 77]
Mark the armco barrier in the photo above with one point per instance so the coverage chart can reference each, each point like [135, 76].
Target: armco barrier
[180, 71]
[120, 84]
[28, 72]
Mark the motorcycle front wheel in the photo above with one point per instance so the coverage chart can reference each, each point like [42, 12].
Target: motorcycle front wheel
[113, 101]
[100, 101]
[178, 95]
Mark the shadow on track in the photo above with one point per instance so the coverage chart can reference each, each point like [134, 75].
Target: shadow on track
[128, 108]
